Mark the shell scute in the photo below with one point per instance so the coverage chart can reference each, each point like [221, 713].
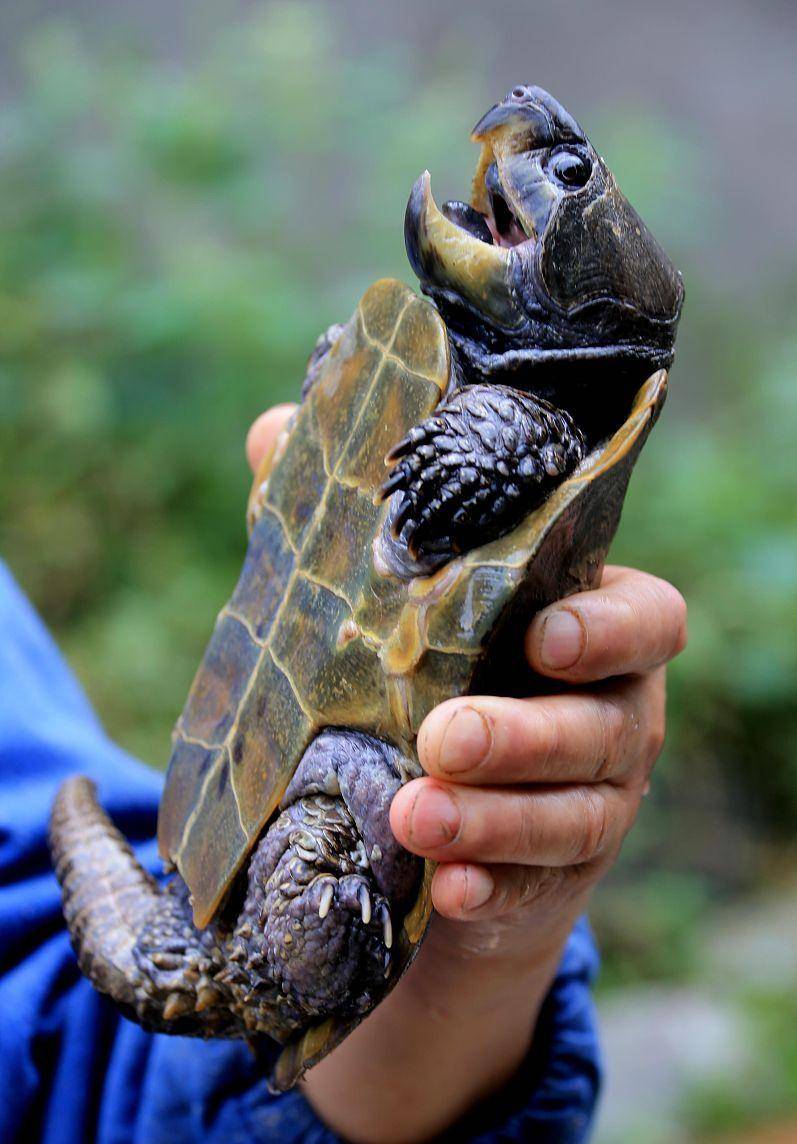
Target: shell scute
[265, 575]
[191, 763]
[397, 394]
[297, 483]
[339, 682]
[332, 554]
[458, 622]
[222, 832]
[310, 661]
[219, 688]
[272, 726]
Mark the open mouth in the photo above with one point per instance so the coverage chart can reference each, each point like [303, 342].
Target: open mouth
[463, 253]
[498, 225]
[489, 217]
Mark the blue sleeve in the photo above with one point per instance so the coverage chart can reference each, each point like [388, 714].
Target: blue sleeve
[72, 1069]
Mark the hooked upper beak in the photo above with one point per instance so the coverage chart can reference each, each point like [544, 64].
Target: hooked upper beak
[451, 258]
[532, 116]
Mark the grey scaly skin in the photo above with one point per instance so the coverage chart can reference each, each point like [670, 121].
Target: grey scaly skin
[312, 936]
[486, 458]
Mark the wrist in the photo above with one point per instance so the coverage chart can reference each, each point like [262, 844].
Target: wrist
[463, 1018]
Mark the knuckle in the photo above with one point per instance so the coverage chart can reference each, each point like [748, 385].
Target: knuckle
[655, 737]
[680, 623]
[523, 829]
[546, 739]
[673, 610]
[590, 838]
[611, 719]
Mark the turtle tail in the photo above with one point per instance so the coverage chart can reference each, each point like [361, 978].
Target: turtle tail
[134, 938]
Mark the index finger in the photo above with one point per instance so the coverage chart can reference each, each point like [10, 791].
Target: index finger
[631, 624]
[264, 431]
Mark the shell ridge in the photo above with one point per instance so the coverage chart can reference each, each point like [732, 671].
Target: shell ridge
[269, 506]
[312, 716]
[397, 360]
[314, 578]
[245, 623]
[196, 741]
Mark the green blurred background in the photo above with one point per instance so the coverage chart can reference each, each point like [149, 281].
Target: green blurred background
[188, 198]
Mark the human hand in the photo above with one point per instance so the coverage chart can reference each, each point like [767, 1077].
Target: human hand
[527, 801]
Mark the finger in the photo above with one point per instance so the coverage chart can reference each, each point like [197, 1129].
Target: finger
[546, 826]
[264, 431]
[596, 736]
[466, 891]
[632, 623]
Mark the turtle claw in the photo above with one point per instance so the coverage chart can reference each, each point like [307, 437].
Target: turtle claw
[387, 926]
[365, 904]
[353, 892]
[403, 521]
[325, 902]
[418, 435]
[396, 480]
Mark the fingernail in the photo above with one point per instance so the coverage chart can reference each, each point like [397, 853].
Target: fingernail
[466, 741]
[562, 641]
[434, 819]
[479, 887]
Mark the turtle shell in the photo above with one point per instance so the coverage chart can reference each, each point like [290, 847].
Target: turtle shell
[319, 632]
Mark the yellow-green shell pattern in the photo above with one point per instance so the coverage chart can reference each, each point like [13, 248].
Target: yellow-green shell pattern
[319, 632]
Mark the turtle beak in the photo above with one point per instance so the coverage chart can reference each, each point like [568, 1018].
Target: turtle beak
[530, 117]
[528, 120]
[450, 258]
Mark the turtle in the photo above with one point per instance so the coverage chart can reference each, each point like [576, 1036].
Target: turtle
[458, 460]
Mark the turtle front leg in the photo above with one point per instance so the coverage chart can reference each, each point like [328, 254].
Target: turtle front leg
[329, 881]
[475, 468]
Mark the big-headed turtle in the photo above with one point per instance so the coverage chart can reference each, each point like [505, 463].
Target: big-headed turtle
[510, 408]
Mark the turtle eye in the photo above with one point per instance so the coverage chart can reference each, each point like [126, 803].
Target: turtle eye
[570, 168]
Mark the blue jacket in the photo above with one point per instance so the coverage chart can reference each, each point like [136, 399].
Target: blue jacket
[72, 1070]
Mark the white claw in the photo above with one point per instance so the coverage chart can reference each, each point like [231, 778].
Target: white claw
[365, 904]
[307, 855]
[387, 927]
[327, 895]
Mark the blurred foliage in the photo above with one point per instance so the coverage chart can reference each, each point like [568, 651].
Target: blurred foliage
[172, 239]
[767, 1089]
[173, 242]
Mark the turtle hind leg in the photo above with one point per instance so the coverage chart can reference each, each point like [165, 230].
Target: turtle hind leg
[313, 936]
[329, 882]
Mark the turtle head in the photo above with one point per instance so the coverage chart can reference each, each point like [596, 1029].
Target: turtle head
[548, 263]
